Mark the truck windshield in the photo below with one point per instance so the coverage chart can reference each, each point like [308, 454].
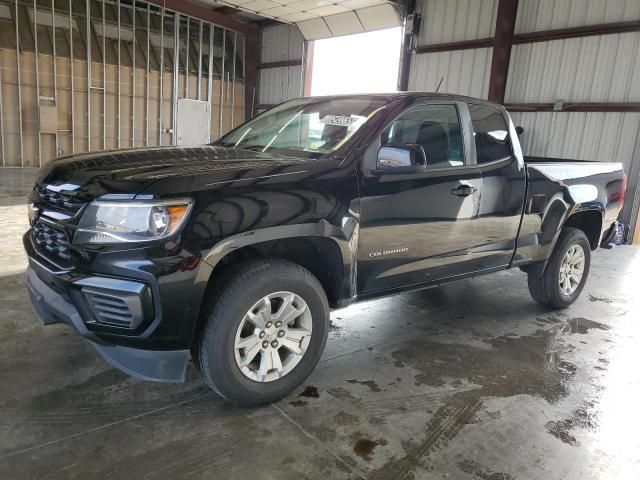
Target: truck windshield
[308, 127]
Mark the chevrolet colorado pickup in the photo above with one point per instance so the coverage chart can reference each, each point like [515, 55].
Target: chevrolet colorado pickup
[233, 254]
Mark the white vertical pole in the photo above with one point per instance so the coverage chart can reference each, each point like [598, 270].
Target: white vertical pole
[88, 41]
[186, 61]
[176, 64]
[104, 80]
[133, 96]
[73, 122]
[146, 103]
[19, 88]
[118, 74]
[200, 62]
[161, 75]
[37, 65]
[222, 72]
[55, 72]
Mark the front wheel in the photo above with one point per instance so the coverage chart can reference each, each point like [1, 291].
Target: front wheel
[264, 332]
[563, 279]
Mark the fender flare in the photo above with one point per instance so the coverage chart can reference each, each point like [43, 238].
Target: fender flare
[345, 238]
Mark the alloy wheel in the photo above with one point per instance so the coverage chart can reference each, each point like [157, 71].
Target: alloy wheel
[571, 270]
[273, 336]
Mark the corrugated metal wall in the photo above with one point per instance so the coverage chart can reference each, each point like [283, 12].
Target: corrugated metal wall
[464, 72]
[591, 69]
[537, 15]
[275, 85]
[586, 136]
[456, 20]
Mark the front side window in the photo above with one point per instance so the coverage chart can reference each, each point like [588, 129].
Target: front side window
[308, 127]
[491, 134]
[436, 128]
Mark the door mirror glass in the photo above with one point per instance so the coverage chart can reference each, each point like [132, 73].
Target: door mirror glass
[401, 158]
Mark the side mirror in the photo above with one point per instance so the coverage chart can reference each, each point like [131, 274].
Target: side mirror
[400, 159]
[519, 130]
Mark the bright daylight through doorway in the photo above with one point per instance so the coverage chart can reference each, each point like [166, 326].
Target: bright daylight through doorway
[361, 63]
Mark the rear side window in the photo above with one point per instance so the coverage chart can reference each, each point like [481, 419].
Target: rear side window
[490, 132]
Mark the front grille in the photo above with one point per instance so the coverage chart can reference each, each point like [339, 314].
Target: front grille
[59, 199]
[109, 309]
[51, 239]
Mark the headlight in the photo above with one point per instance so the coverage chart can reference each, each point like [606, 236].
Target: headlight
[118, 222]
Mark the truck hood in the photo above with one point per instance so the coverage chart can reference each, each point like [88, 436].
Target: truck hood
[132, 171]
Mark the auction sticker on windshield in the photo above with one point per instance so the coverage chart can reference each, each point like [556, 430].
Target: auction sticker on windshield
[337, 120]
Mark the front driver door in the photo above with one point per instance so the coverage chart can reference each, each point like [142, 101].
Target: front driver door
[418, 228]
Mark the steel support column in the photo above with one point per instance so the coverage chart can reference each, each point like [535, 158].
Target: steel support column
[251, 73]
[503, 40]
[404, 69]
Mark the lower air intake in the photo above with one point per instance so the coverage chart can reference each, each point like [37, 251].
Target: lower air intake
[109, 309]
[116, 303]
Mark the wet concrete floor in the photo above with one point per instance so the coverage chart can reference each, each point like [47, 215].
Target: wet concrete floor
[470, 381]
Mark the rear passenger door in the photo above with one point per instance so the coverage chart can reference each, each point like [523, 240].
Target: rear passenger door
[418, 227]
[503, 186]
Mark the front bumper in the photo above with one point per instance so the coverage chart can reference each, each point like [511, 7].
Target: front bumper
[53, 307]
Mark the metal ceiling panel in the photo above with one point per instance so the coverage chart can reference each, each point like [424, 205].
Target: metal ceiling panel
[314, 29]
[344, 24]
[380, 17]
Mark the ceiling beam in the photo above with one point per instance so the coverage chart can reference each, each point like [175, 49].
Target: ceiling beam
[206, 14]
[575, 107]
[281, 63]
[577, 32]
[452, 46]
[227, 10]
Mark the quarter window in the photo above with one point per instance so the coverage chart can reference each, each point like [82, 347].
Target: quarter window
[436, 128]
[491, 134]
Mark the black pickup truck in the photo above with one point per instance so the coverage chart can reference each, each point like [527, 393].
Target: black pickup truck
[233, 254]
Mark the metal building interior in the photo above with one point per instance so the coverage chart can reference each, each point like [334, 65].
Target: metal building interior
[471, 382]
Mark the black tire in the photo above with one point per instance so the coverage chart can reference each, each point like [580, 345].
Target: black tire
[544, 286]
[243, 287]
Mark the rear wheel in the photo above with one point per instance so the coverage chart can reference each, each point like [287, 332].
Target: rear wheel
[264, 333]
[563, 279]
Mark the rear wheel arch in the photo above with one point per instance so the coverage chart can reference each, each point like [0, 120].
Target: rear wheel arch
[590, 222]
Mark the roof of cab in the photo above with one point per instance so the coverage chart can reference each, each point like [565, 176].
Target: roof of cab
[408, 95]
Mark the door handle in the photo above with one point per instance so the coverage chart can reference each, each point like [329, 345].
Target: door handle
[464, 190]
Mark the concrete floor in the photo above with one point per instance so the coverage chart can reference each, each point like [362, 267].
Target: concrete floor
[470, 381]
